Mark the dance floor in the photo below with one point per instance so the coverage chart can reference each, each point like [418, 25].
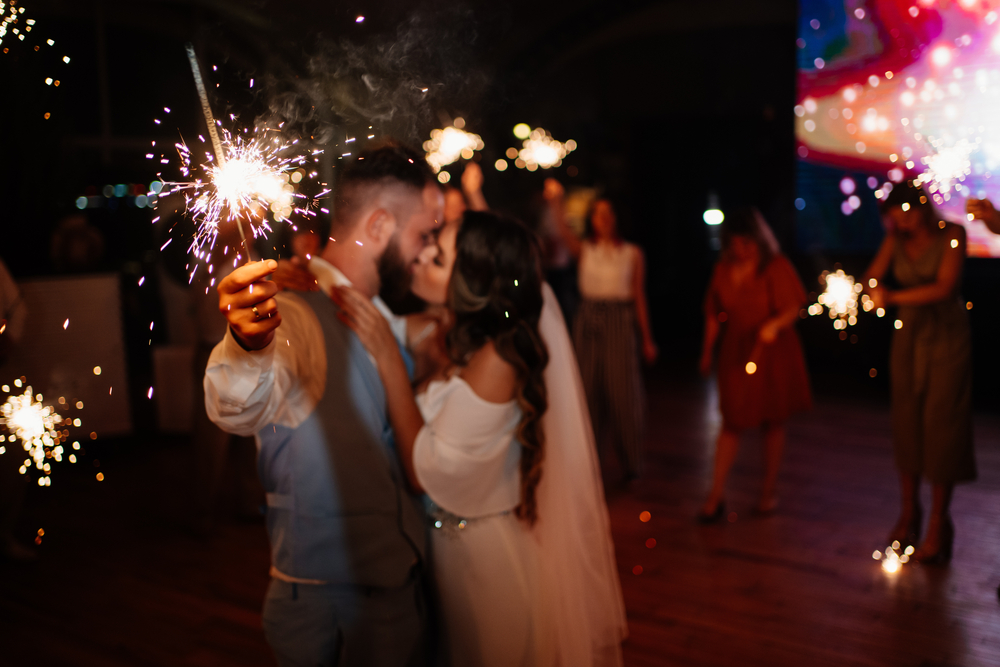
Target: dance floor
[121, 581]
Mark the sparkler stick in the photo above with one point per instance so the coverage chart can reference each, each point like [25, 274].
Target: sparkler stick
[206, 109]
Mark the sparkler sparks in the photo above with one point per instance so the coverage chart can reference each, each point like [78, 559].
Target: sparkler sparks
[36, 426]
[948, 166]
[892, 559]
[539, 149]
[245, 176]
[13, 24]
[253, 179]
[448, 145]
[840, 299]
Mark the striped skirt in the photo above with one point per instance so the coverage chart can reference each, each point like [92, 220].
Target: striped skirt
[606, 341]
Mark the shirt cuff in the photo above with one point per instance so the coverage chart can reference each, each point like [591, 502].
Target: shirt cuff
[246, 366]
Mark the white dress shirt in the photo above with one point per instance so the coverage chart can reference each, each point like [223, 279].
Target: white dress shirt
[245, 390]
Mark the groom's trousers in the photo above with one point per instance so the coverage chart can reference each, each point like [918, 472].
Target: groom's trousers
[332, 625]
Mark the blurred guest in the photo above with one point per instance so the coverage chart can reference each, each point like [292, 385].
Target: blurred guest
[930, 364]
[752, 303]
[558, 260]
[13, 484]
[470, 197]
[612, 276]
[77, 246]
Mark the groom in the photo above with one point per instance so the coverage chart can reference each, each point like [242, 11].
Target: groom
[347, 538]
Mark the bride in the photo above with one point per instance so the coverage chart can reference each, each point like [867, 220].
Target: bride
[499, 439]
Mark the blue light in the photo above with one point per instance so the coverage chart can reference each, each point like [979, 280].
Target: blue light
[800, 203]
[81, 203]
[121, 190]
[156, 186]
[140, 201]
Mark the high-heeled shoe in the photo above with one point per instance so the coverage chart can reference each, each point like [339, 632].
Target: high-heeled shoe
[714, 517]
[907, 535]
[945, 543]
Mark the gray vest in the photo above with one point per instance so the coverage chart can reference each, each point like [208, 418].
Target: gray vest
[338, 506]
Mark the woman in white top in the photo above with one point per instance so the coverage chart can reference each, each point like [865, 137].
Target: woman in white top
[611, 275]
[523, 561]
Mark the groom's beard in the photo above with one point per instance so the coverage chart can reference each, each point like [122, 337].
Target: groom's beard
[394, 276]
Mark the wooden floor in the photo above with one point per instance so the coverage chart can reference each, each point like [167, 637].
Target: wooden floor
[122, 582]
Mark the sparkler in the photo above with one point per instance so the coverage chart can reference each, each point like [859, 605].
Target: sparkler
[891, 559]
[840, 299]
[37, 427]
[246, 176]
[220, 155]
[539, 149]
[448, 145]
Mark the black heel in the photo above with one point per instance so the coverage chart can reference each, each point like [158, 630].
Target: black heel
[714, 517]
[907, 535]
[943, 554]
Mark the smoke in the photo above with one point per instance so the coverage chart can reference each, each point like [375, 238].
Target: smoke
[395, 82]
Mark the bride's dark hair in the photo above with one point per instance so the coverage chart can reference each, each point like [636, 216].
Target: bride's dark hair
[496, 295]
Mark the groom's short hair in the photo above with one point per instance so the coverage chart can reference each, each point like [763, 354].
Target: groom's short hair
[391, 164]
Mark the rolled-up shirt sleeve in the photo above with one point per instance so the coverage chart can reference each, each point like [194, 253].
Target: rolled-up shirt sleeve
[245, 390]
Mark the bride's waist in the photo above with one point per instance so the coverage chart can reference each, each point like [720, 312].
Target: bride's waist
[442, 519]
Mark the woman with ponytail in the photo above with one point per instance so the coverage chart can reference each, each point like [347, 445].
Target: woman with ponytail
[500, 441]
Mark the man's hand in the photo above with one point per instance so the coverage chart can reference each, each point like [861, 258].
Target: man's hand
[247, 301]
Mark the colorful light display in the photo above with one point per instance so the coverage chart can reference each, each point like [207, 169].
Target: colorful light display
[895, 91]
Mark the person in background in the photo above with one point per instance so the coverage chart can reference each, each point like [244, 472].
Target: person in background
[752, 303]
[470, 197]
[13, 484]
[930, 363]
[612, 277]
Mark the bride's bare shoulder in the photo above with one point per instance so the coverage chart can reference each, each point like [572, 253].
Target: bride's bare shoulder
[490, 376]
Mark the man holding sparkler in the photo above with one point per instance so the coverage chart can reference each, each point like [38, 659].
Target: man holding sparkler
[347, 536]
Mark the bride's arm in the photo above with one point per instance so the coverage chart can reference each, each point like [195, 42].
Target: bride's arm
[372, 329]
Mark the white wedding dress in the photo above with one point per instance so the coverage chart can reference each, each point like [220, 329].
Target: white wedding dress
[511, 594]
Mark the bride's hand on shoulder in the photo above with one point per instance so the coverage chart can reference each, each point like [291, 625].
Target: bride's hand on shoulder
[364, 319]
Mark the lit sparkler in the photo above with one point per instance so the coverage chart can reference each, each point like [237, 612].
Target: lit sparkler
[539, 149]
[253, 179]
[947, 166]
[246, 176]
[892, 559]
[448, 145]
[37, 427]
[840, 298]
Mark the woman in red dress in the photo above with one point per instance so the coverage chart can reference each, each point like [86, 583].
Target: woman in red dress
[752, 304]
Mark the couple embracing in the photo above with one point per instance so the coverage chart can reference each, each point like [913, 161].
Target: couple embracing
[461, 509]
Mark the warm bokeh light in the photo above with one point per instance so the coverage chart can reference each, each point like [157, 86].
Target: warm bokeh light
[840, 298]
[28, 421]
[451, 144]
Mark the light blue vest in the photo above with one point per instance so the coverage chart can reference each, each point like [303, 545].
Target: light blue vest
[338, 506]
